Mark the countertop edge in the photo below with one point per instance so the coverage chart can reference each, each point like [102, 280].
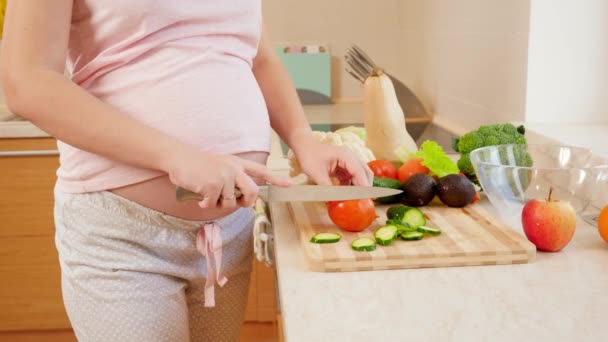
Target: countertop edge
[21, 129]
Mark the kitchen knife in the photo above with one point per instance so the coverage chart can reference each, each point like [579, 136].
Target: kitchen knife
[304, 193]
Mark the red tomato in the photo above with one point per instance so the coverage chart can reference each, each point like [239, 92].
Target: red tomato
[352, 215]
[410, 167]
[383, 168]
[476, 198]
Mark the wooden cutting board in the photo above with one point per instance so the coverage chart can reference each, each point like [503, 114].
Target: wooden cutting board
[470, 236]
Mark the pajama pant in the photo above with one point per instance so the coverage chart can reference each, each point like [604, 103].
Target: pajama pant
[130, 273]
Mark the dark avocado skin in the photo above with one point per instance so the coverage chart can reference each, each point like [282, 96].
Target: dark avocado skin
[419, 190]
[455, 190]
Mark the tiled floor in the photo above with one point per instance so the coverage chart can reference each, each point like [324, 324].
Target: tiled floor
[252, 332]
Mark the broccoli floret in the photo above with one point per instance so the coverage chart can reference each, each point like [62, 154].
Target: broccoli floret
[506, 138]
[509, 129]
[454, 142]
[527, 160]
[520, 140]
[489, 129]
[490, 135]
[465, 165]
[470, 141]
[491, 140]
[522, 156]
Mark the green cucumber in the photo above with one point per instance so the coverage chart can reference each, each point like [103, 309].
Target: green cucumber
[385, 235]
[396, 212]
[412, 236]
[393, 221]
[409, 216]
[414, 218]
[363, 244]
[400, 226]
[326, 238]
[430, 230]
[383, 182]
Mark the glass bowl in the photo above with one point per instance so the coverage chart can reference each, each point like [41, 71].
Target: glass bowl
[511, 175]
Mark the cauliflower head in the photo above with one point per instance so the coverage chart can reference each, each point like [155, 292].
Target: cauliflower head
[345, 138]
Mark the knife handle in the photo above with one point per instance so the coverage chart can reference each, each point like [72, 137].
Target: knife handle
[182, 194]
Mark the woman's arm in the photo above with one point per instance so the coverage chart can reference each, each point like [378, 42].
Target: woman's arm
[286, 114]
[288, 119]
[33, 58]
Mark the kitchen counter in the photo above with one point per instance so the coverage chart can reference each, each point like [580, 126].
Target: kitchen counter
[558, 297]
[12, 126]
[594, 136]
[20, 129]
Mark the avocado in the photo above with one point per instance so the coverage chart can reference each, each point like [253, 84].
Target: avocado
[419, 190]
[455, 190]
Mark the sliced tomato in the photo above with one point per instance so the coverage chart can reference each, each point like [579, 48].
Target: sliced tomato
[410, 167]
[352, 215]
[383, 168]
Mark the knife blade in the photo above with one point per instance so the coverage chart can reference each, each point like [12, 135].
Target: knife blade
[304, 193]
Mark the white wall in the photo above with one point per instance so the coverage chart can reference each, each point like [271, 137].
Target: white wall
[470, 61]
[465, 59]
[472, 57]
[568, 62]
[373, 25]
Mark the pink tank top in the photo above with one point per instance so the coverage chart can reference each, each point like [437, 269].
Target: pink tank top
[183, 67]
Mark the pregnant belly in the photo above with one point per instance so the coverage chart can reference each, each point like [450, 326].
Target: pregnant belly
[159, 194]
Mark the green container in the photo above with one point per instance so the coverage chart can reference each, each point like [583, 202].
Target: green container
[310, 73]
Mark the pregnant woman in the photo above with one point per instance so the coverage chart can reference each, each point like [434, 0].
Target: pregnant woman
[160, 94]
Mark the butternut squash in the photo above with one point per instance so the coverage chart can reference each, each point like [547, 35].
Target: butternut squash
[383, 118]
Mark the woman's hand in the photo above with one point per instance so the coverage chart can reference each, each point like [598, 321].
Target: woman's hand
[322, 162]
[287, 117]
[215, 177]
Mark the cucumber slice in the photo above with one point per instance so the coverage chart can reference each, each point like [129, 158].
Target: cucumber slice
[410, 216]
[363, 244]
[393, 222]
[384, 182]
[400, 226]
[414, 218]
[326, 238]
[386, 235]
[412, 236]
[396, 212]
[430, 230]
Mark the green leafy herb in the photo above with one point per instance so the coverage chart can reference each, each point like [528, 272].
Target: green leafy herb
[436, 160]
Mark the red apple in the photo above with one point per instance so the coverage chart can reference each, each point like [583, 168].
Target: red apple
[549, 224]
